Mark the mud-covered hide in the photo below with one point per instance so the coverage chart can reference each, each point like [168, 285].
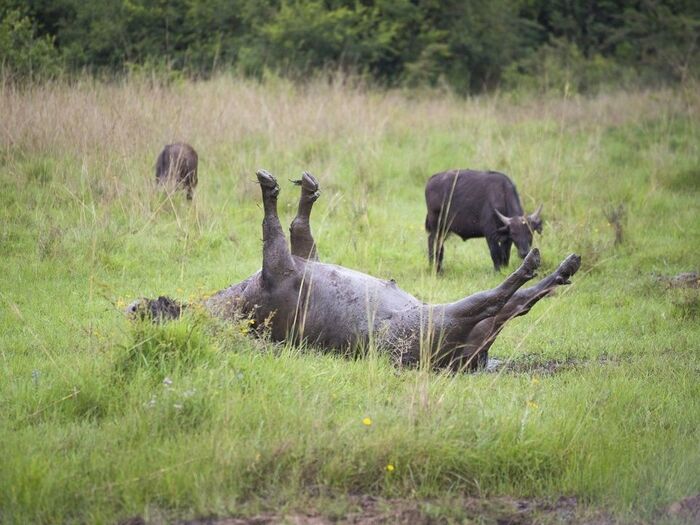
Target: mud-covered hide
[159, 310]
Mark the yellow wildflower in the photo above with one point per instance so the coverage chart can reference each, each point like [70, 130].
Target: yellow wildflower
[390, 468]
[367, 421]
[532, 404]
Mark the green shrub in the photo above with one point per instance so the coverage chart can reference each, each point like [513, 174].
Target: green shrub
[24, 55]
[561, 67]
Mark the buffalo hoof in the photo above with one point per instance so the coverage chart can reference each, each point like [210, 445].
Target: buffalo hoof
[309, 186]
[531, 263]
[567, 268]
[268, 183]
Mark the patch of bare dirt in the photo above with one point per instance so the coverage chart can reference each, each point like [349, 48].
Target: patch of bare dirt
[531, 364]
[686, 510]
[682, 280]
[368, 510]
[136, 520]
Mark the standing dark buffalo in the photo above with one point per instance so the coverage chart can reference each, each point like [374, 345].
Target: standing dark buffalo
[478, 204]
[296, 297]
[177, 164]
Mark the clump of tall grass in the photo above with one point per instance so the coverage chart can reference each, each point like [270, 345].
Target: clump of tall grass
[166, 348]
[686, 304]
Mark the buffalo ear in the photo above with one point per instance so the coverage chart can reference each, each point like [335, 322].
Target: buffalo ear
[536, 225]
[503, 233]
[535, 220]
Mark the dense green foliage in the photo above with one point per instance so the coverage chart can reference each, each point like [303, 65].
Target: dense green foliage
[101, 419]
[468, 45]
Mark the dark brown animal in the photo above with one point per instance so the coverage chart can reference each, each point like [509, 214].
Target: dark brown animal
[478, 204]
[294, 296]
[177, 164]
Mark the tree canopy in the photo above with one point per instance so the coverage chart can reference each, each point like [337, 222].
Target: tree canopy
[469, 45]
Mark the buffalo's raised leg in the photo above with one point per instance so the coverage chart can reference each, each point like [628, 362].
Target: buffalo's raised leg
[474, 353]
[277, 259]
[524, 299]
[486, 304]
[303, 244]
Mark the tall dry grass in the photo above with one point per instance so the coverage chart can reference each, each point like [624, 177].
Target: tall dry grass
[134, 117]
[105, 137]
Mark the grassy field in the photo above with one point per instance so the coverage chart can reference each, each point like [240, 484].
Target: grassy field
[101, 420]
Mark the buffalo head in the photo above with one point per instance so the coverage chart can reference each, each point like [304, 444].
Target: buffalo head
[519, 229]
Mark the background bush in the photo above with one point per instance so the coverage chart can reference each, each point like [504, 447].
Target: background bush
[22, 51]
[470, 46]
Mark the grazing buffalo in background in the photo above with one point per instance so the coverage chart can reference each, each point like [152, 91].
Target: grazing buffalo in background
[478, 204]
[296, 297]
[177, 164]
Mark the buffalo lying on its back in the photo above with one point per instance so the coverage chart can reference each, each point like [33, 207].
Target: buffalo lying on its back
[177, 163]
[294, 296]
[478, 204]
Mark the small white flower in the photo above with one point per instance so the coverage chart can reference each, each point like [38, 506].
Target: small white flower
[189, 393]
[167, 381]
[151, 403]
[177, 406]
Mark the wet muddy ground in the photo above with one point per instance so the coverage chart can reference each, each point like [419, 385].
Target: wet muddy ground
[533, 364]
[681, 280]
[368, 510]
